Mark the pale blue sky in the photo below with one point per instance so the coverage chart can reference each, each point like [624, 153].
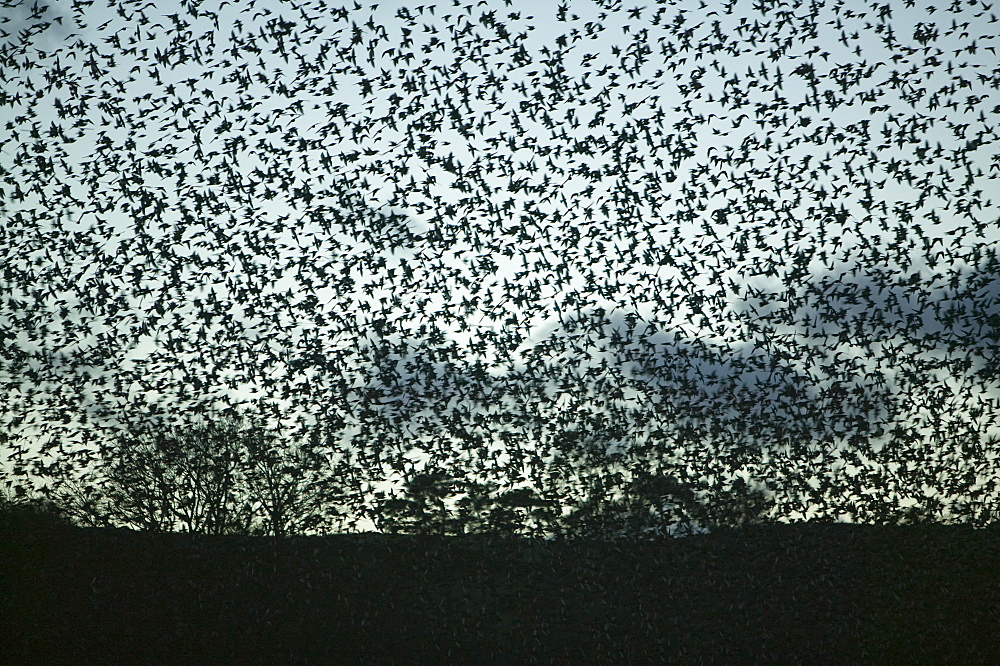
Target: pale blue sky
[677, 83]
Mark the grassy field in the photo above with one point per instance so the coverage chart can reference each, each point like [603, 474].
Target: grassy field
[819, 593]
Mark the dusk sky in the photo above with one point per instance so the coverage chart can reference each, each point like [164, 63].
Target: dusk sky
[775, 217]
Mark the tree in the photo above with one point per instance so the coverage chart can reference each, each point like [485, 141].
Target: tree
[18, 510]
[219, 477]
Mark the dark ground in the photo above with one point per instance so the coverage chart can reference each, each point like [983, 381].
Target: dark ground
[807, 593]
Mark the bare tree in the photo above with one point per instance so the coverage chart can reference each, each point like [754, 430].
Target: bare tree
[219, 477]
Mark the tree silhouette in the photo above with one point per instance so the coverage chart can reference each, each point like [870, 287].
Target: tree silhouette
[224, 476]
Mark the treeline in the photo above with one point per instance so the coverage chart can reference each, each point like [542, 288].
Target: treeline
[234, 476]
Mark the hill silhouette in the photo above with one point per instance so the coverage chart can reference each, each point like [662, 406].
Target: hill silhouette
[834, 593]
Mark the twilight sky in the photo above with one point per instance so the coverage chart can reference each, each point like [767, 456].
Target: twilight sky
[758, 220]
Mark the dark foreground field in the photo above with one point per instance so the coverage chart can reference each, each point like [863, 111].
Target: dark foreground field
[812, 593]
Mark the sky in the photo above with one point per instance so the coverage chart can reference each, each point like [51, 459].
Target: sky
[661, 168]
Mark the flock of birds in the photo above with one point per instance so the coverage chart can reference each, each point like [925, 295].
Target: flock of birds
[563, 251]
